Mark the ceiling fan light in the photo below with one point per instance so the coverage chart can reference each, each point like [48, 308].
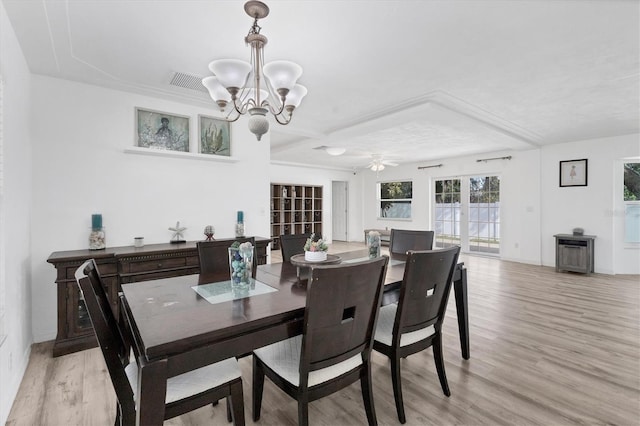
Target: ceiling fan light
[377, 167]
[231, 72]
[335, 150]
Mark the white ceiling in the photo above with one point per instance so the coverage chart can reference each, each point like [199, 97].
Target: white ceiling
[415, 81]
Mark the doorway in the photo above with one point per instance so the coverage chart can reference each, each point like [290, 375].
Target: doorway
[467, 213]
[339, 210]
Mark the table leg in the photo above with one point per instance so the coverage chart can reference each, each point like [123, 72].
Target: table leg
[462, 309]
[152, 390]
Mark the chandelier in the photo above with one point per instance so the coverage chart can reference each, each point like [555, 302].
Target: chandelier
[256, 88]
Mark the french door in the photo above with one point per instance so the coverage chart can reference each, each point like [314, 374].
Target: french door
[467, 213]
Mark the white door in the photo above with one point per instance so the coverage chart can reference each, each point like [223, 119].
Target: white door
[467, 213]
[339, 210]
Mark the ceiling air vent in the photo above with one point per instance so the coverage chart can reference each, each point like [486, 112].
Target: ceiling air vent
[188, 81]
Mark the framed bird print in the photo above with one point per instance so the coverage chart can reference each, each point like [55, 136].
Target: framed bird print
[215, 136]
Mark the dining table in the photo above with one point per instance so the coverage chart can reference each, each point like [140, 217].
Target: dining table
[182, 323]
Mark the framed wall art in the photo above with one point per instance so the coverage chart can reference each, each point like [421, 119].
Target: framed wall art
[161, 130]
[573, 173]
[215, 136]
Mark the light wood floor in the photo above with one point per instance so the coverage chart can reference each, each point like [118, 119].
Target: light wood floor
[547, 348]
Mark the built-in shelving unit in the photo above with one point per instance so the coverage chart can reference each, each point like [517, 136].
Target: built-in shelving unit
[295, 209]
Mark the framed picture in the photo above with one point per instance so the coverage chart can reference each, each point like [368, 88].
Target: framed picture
[160, 130]
[215, 137]
[573, 173]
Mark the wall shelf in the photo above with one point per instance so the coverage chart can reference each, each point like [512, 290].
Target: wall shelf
[179, 154]
[295, 209]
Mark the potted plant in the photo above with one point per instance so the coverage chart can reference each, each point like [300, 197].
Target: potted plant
[315, 251]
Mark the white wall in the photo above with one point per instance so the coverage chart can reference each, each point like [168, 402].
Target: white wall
[519, 197]
[16, 209]
[79, 135]
[593, 207]
[534, 207]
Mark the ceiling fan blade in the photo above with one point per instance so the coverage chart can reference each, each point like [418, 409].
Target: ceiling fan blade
[389, 163]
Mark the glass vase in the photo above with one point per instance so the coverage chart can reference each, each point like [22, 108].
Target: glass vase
[240, 266]
[97, 239]
[373, 244]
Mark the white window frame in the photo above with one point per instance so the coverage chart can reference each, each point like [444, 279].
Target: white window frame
[381, 200]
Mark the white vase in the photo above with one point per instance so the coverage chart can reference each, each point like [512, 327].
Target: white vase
[315, 256]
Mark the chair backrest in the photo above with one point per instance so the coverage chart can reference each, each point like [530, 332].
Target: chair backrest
[291, 244]
[425, 289]
[110, 338]
[402, 240]
[214, 256]
[341, 313]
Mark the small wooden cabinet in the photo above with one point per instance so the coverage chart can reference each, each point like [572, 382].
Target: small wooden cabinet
[575, 253]
[295, 209]
[117, 266]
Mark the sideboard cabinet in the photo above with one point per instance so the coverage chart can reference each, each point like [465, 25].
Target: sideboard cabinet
[117, 266]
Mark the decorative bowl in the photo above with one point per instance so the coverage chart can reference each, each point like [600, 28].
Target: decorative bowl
[315, 256]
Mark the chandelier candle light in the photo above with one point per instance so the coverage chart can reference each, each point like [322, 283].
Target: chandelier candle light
[256, 88]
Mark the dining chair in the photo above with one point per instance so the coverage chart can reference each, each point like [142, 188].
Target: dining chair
[415, 322]
[184, 393]
[214, 256]
[292, 244]
[334, 349]
[403, 240]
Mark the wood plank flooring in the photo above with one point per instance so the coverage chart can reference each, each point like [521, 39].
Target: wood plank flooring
[547, 348]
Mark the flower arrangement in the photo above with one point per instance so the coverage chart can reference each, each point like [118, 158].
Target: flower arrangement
[312, 245]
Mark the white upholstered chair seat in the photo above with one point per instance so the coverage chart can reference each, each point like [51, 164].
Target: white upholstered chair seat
[384, 328]
[192, 382]
[284, 358]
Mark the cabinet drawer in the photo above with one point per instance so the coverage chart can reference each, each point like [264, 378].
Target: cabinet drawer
[105, 269]
[154, 264]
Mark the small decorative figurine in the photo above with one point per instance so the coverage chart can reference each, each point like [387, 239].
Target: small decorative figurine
[177, 233]
[208, 231]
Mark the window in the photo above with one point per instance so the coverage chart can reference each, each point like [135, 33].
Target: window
[447, 217]
[395, 200]
[632, 202]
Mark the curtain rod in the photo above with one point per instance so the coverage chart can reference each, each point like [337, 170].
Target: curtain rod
[428, 167]
[496, 158]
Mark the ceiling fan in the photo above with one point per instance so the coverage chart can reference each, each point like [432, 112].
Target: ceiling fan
[378, 163]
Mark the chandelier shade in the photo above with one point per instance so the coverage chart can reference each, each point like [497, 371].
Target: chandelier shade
[231, 72]
[282, 74]
[255, 87]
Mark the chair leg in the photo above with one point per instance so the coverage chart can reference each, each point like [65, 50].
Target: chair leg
[367, 394]
[439, 360]
[236, 401]
[303, 412]
[229, 403]
[397, 387]
[257, 386]
[117, 422]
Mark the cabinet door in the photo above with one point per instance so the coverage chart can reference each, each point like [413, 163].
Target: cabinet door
[78, 321]
[573, 258]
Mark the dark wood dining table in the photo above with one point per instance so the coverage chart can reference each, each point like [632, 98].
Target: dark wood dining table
[177, 330]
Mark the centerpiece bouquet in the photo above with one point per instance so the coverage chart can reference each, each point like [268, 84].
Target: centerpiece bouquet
[315, 250]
